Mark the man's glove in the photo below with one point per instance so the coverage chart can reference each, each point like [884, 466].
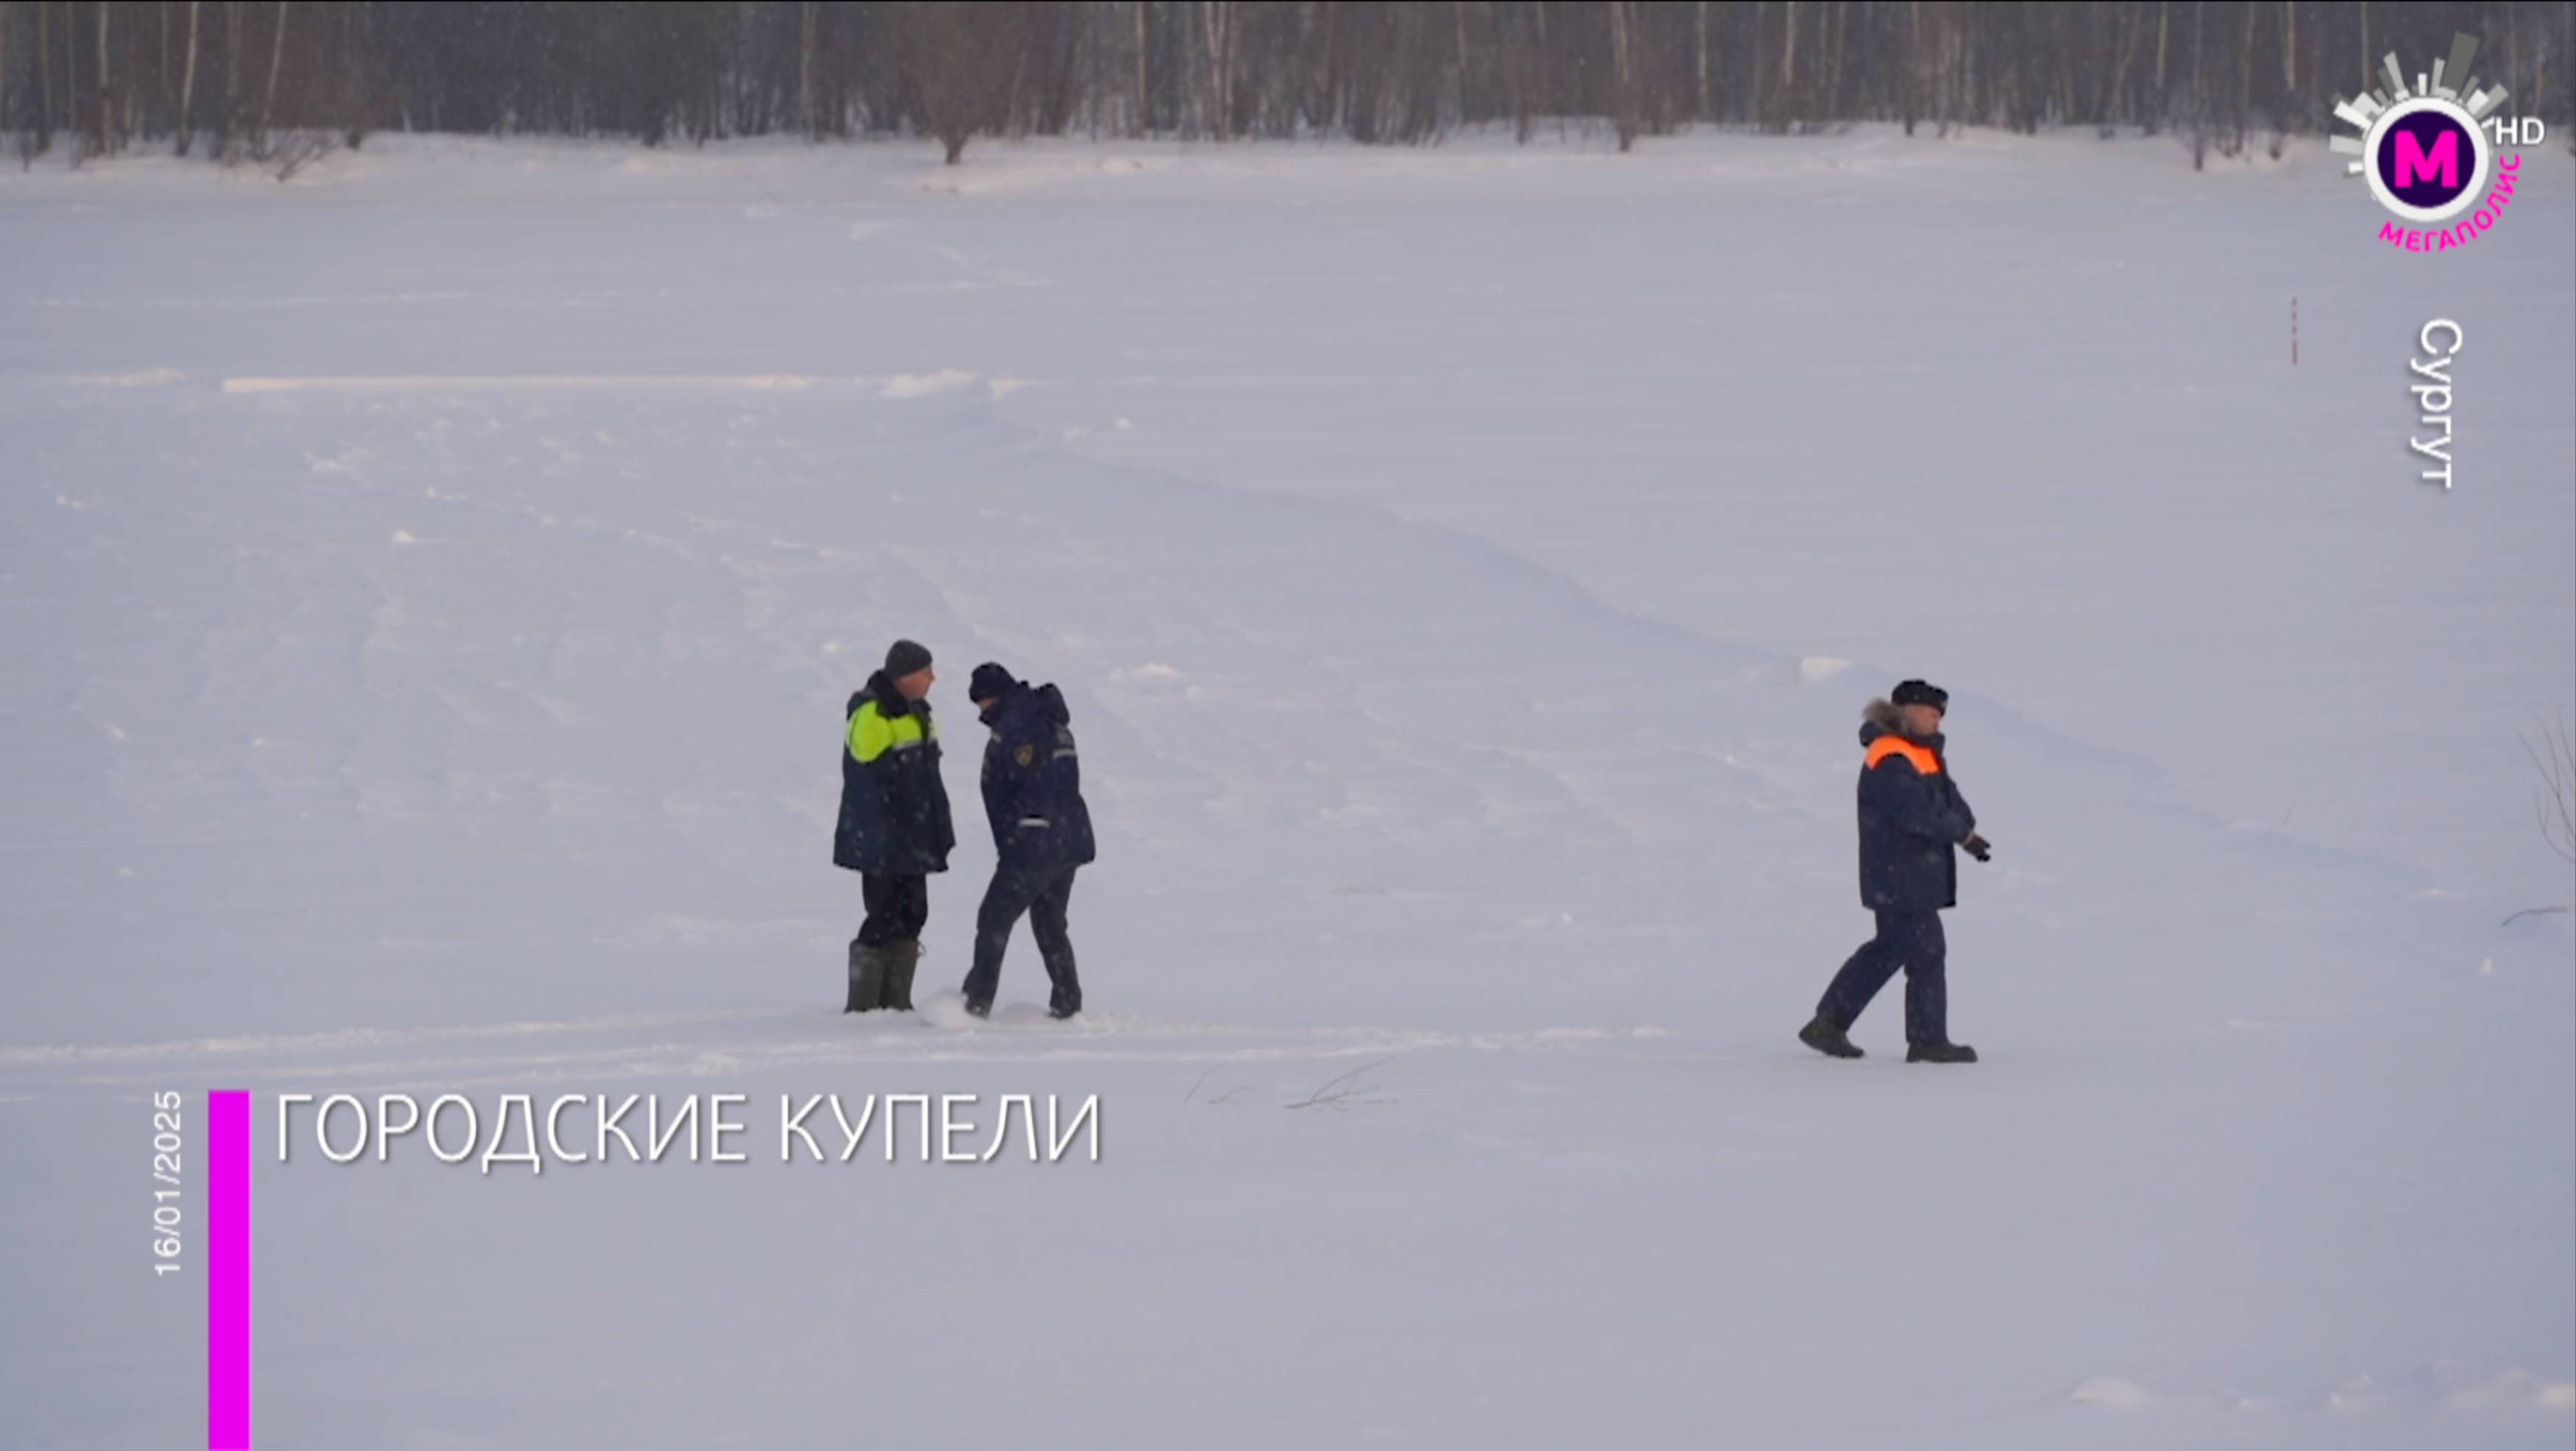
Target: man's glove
[1978, 847]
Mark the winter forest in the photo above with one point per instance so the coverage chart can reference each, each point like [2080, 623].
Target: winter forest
[278, 82]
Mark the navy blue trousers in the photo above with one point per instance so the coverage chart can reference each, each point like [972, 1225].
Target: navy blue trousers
[898, 908]
[1908, 940]
[1042, 897]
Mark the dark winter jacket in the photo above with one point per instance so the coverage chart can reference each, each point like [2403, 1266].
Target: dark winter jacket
[1033, 781]
[1911, 818]
[894, 808]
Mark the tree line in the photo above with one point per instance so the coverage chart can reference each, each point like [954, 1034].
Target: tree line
[266, 79]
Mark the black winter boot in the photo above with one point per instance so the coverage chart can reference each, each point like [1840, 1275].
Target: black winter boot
[867, 977]
[901, 959]
[1828, 1037]
[1939, 1053]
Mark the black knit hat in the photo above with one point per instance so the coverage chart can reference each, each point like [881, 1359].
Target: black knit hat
[1916, 692]
[989, 682]
[905, 657]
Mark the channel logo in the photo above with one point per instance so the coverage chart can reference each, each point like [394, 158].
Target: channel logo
[2426, 151]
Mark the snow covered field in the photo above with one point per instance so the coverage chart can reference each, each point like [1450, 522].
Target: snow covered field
[433, 587]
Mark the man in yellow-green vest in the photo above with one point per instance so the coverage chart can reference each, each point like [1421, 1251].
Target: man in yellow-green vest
[894, 828]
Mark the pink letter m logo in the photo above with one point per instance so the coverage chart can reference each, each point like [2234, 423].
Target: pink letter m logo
[2413, 166]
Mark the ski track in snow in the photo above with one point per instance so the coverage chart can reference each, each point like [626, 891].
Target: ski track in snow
[618, 1050]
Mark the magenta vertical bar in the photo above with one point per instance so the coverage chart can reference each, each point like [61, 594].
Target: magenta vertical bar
[227, 1270]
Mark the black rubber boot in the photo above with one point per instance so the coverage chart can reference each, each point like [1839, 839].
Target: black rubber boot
[1828, 1037]
[901, 958]
[867, 977]
[1940, 1053]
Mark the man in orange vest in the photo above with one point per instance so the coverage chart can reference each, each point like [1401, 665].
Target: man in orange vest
[1911, 819]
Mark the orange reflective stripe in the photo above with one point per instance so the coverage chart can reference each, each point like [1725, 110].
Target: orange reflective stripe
[1920, 757]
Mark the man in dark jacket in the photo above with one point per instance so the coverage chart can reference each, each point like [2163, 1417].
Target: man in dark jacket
[895, 827]
[1911, 817]
[1041, 832]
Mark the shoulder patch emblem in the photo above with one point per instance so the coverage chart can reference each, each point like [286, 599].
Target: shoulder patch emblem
[1025, 755]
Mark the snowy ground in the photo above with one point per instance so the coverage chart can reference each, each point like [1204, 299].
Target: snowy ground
[433, 587]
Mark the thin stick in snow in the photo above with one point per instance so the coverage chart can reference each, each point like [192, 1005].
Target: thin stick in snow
[1341, 1090]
